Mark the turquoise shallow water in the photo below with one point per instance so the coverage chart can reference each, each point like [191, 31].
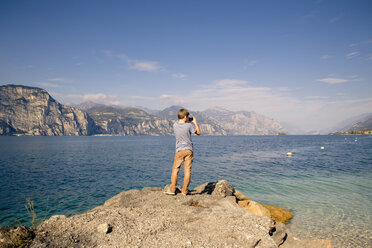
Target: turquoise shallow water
[329, 191]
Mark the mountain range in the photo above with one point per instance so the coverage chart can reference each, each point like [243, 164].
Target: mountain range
[217, 121]
[28, 110]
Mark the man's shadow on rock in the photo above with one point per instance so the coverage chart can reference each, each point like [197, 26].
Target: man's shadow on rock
[207, 189]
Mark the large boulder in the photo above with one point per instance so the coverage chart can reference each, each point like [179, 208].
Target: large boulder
[255, 208]
[239, 196]
[219, 188]
[279, 214]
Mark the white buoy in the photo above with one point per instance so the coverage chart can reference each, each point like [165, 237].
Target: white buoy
[322, 147]
[289, 154]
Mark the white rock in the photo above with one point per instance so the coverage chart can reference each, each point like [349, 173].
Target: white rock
[104, 228]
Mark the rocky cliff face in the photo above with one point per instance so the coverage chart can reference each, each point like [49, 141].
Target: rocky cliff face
[149, 127]
[32, 111]
[128, 121]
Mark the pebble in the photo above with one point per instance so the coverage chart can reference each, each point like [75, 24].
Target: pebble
[104, 228]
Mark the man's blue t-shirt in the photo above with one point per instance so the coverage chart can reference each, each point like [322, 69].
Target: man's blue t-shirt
[183, 133]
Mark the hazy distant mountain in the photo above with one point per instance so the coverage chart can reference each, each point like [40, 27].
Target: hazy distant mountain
[87, 105]
[365, 123]
[219, 113]
[169, 113]
[150, 111]
[356, 123]
[244, 122]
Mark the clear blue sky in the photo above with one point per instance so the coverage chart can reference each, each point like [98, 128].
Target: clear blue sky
[306, 63]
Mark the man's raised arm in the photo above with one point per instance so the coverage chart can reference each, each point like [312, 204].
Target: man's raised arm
[196, 126]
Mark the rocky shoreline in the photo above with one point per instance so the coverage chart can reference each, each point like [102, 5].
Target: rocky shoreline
[213, 215]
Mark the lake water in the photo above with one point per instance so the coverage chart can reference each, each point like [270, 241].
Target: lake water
[329, 190]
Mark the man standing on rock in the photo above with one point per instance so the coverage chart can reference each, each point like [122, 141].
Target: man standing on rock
[184, 153]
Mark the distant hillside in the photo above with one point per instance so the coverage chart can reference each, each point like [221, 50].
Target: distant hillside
[128, 121]
[348, 124]
[365, 124]
[361, 124]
